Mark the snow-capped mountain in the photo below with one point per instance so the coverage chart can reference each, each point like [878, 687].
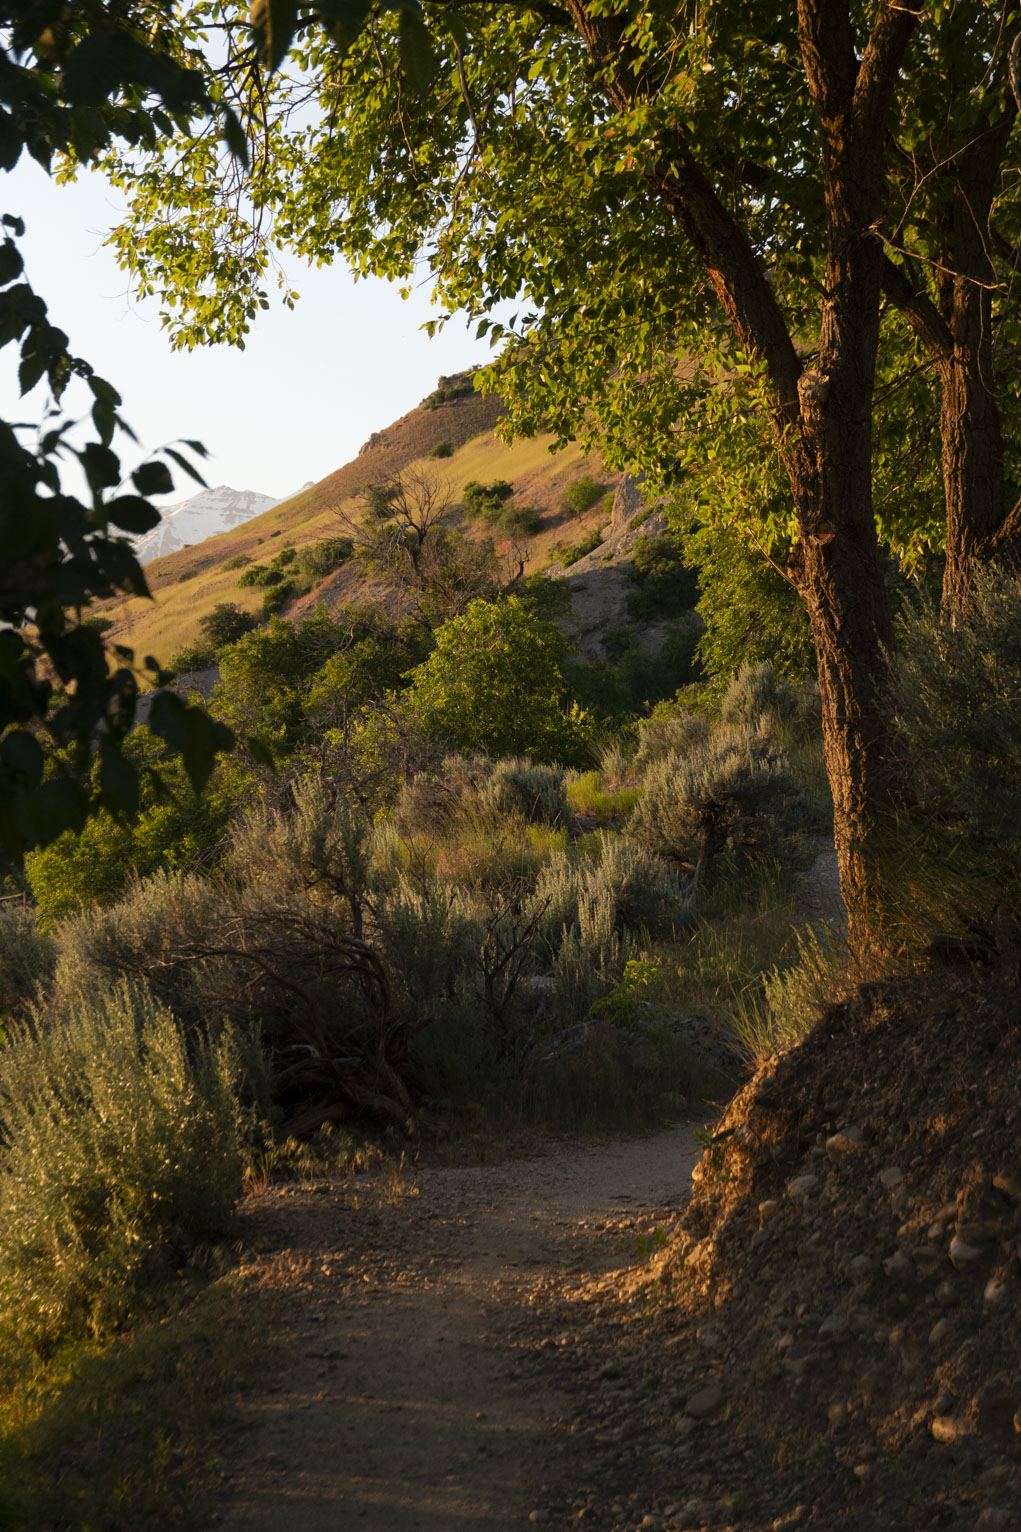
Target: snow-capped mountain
[201, 516]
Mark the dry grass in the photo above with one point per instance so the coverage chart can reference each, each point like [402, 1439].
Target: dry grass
[187, 585]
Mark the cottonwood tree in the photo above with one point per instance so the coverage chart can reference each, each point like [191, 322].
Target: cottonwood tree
[731, 230]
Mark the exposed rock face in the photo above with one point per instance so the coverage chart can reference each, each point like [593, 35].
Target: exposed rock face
[628, 499]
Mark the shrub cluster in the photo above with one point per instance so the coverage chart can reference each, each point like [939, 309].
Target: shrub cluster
[582, 495]
[121, 1151]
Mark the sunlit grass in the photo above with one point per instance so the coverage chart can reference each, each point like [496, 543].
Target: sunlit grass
[587, 794]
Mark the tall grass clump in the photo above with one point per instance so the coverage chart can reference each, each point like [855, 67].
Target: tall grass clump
[791, 999]
[121, 1154]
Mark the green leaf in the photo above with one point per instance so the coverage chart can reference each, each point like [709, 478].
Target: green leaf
[132, 513]
[11, 264]
[182, 462]
[153, 479]
[190, 733]
[274, 23]
[234, 136]
[118, 783]
[259, 751]
[418, 57]
[102, 467]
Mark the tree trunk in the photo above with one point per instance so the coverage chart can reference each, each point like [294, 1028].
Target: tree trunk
[823, 418]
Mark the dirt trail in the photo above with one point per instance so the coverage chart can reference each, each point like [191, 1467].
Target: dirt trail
[433, 1338]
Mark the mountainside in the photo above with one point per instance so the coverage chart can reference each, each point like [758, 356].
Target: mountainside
[207, 514]
[188, 582]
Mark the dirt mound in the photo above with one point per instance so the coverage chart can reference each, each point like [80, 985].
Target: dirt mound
[843, 1294]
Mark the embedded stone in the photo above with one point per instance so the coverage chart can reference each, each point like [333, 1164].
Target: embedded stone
[802, 1187]
[962, 1254]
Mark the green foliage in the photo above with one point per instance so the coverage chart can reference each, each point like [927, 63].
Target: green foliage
[792, 998]
[122, 1154]
[672, 728]
[237, 561]
[197, 656]
[486, 501]
[751, 614]
[546, 597]
[572, 552]
[225, 624]
[495, 682]
[442, 449]
[535, 792]
[259, 575]
[379, 499]
[460, 385]
[76, 92]
[277, 596]
[520, 521]
[172, 828]
[664, 584]
[582, 495]
[317, 560]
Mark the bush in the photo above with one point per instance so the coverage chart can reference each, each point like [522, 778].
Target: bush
[486, 501]
[194, 657]
[237, 561]
[317, 560]
[793, 998]
[258, 576]
[442, 449]
[664, 585]
[123, 1150]
[535, 792]
[582, 495]
[225, 624]
[575, 551]
[734, 794]
[757, 693]
[670, 729]
[278, 596]
[957, 712]
[495, 683]
[27, 956]
[521, 521]
[431, 802]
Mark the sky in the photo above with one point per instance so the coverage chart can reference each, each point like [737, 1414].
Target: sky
[308, 390]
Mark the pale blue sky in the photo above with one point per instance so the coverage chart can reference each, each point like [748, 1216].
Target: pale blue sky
[298, 402]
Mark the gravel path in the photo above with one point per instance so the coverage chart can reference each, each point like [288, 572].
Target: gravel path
[436, 1337]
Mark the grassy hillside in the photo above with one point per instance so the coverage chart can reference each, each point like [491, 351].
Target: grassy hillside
[187, 585]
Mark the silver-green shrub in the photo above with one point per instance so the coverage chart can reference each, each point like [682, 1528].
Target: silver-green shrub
[527, 789]
[121, 1152]
[319, 845]
[669, 730]
[27, 956]
[758, 694]
[957, 713]
[433, 801]
[734, 794]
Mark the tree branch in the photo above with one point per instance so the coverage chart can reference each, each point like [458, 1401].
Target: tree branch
[922, 315]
